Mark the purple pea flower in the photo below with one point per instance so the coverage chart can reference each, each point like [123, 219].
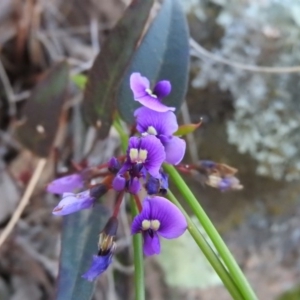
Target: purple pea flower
[158, 217]
[66, 184]
[162, 125]
[106, 249]
[144, 154]
[98, 266]
[71, 203]
[142, 93]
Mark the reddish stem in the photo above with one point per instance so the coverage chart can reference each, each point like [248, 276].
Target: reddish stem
[118, 204]
[138, 202]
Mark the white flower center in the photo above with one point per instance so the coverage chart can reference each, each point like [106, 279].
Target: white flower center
[138, 156]
[151, 130]
[150, 224]
[150, 93]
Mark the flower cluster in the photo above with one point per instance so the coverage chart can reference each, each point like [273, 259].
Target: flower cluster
[141, 167]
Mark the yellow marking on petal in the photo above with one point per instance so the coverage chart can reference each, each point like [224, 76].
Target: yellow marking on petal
[134, 154]
[146, 224]
[152, 130]
[143, 155]
[155, 224]
[150, 93]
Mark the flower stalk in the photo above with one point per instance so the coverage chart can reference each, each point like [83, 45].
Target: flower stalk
[225, 254]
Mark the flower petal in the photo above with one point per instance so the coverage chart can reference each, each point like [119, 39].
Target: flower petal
[136, 225]
[154, 103]
[98, 266]
[134, 186]
[162, 89]
[73, 202]
[152, 186]
[138, 85]
[165, 123]
[172, 221]
[66, 184]
[151, 243]
[175, 150]
[119, 183]
[155, 154]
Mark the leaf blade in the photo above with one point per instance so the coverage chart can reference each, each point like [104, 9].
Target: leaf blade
[79, 243]
[166, 44]
[109, 66]
[43, 110]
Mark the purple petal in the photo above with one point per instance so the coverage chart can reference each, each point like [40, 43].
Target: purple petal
[162, 89]
[151, 243]
[134, 186]
[138, 85]
[165, 123]
[66, 184]
[152, 186]
[134, 142]
[155, 154]
[98, 266]
[114, 165]
[172, 221]
[136, 225]
[73, 202]
[119, 183]
[175, 150]
[154, 103]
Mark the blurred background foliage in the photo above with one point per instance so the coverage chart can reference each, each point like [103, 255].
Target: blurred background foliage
[250, 121]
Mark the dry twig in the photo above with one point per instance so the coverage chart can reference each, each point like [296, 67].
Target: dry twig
[200, 52]
[24, 201]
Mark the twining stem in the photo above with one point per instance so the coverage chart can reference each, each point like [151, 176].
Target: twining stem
[208, 252]
[138, 259]
[225, 254]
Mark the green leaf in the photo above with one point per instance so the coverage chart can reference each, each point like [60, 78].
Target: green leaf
[110, 65]
[80, 80]
[187, 128]
[43, 110]
[163, 54]
[79, 243]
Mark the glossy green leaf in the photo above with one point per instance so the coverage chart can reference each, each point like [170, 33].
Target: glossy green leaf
[41, 113]
[110, 65]
[187, 128]
[79, 243]
[80, 80]
[163, 54]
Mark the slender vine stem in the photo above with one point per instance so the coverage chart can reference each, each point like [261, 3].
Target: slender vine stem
[138, 260]
[208, 252]
[225, 254]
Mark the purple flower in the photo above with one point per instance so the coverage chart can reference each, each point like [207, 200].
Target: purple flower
[162, 125]
[73, 202]
[132, 185]
[142, 93]
[158, 217]
[106, 249]
[157, 186]
[146, 153]
[98, 266]
[66, 184]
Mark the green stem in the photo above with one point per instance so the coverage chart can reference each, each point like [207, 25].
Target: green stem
[138, 259]
[211, 231]
[208, 252]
